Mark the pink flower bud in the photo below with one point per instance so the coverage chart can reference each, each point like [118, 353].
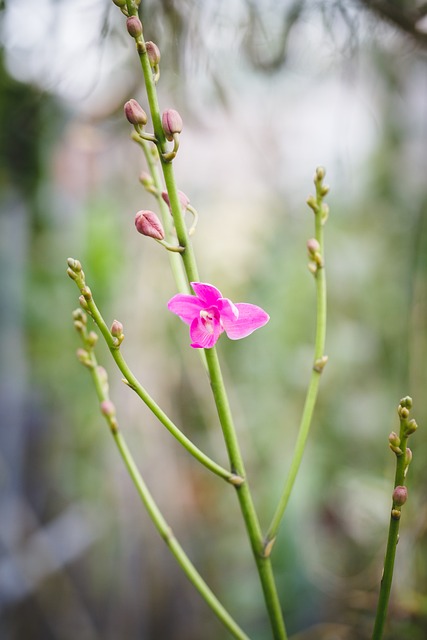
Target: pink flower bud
[108, 409]
[153, 53]
[313, 246]
[183, 199]
[171, 123]
[134, 26]
[400, 495]
[408, 458]
[147, 223]
[135, 113]
[116, 329]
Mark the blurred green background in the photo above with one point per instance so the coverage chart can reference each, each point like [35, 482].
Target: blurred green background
[268, 91]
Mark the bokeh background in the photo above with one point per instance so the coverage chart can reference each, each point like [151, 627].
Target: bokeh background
[268, 90]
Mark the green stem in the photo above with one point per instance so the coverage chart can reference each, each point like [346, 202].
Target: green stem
[175, 260]
[160, 523]
[173, 544]
[245, 499]
[167, 167]
[151, 404]
[311, 396]
[244, 495]
[393, 537]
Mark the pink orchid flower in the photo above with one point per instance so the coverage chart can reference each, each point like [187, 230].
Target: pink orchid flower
[209, 314]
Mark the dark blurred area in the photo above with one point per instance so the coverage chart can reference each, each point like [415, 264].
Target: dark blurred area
[268, 90]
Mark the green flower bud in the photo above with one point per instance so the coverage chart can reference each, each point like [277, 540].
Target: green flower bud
[394, 439]
[146, 180]
[79, 314]
[403, 412]
[84, 357]
[411, 427]
[320, 174]
[92, 339]
[406, 402]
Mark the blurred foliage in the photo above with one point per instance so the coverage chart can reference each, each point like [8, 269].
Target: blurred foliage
[63, 192]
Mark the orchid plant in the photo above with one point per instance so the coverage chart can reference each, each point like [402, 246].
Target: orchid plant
[208, 314]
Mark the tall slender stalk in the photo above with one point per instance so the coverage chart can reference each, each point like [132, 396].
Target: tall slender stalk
[244, 495]
[317, 266]
[398, 445]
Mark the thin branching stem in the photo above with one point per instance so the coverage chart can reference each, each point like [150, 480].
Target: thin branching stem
[318, 365]
[156, 515]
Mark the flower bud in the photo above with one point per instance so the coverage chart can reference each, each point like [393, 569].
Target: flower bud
[320, 174]
[102, 375]
[74, 265]
[83, 303]
[324, 190]
[153, 53]
[147, 223]
[408, 458]
[116, 329]
[394, 439]
[406, 402]
[78, 326]
[171, 123]
[146, 180]
[108, 409]
[119, 3]
[134, 26]
[91, 339]
[84, 357]
[403, 412]
[411, 427]
[312, 203]
[183, 199]
[86, 293]
[135, 113]
[313, 246]
[400, 495]
[79, 314]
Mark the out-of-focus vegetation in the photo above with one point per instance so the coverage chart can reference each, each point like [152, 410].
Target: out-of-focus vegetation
[267, 92]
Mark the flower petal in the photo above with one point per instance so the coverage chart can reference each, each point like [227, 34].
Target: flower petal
[227, 309]
[186, 307]
[204, 336]
[206, 292]
[250, 318]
